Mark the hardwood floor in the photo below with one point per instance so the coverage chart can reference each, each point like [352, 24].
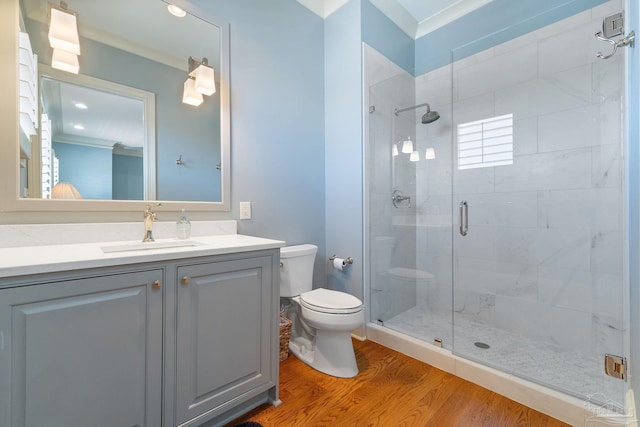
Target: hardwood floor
[391, 390]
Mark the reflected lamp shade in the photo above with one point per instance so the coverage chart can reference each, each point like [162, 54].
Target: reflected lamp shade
[63, 31]
[65, 61]
[394, 151]
[430, 154]
[190, 95]
[65, 190]
[407, 146]
[205, 82]
[414, 156]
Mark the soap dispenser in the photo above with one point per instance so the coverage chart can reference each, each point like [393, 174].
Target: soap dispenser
[183, 226]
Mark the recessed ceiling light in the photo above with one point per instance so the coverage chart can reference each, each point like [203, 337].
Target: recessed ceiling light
[176, 11]
[79, 127]
[81, 105]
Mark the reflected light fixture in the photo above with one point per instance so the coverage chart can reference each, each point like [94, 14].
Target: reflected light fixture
[407, 146]
[395, 150]
[414, 156]
[176, 11]
[203, 73]
[200, 81]
[65, 190]
[189, 94]
[430, 154]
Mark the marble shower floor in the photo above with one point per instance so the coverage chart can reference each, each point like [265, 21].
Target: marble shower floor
[539, 361]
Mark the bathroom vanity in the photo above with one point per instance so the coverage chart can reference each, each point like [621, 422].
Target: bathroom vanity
[114, 335]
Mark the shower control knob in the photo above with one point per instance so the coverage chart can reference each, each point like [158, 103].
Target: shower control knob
[185, 280]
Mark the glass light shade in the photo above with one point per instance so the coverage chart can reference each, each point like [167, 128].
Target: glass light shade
[414, 156]
[395, 150]
[430, 154]
[63, 31]
[190, 95]
[205, 83]
[407, 146]
[65, 61]
[65, 190]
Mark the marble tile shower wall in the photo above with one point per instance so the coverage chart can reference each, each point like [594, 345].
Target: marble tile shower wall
[544, 253]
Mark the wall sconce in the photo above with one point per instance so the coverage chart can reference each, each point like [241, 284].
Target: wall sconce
[65, 190]
[63, 38]
[199, 82]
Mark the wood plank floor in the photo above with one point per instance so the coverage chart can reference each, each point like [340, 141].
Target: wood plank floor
[391, 390]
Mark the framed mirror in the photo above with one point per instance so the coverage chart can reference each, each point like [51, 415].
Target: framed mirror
[119, 130]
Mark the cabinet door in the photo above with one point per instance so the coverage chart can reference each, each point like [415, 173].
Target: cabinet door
[224, 322]
[84, 352]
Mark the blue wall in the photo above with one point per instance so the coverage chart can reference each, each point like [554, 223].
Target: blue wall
[277, 119]
[343, 145]
[494, 23]
[383, 35]
[87, 168]
[127, 177]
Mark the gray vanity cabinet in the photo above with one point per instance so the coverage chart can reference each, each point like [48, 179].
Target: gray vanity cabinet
[225, 354]
[82, 352]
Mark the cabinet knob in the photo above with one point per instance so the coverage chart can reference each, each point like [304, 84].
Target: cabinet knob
[156, 285]
[185, 280]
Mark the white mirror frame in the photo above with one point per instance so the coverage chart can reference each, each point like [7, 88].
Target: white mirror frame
[10, 200]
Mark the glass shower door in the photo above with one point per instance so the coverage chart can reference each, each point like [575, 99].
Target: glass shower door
[538, 237]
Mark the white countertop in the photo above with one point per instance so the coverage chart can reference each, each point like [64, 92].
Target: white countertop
[24, 260]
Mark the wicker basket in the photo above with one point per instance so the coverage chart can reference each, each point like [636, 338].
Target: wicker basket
[285, 334]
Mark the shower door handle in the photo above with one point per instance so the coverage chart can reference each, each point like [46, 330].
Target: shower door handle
[464, 217]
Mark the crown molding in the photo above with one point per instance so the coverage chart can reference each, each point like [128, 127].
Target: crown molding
[448, 15]
[323, 8]
[416, 29]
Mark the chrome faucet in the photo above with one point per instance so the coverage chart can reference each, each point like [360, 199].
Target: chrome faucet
[149, 217]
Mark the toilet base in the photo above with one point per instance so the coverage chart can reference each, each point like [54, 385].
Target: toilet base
[339, 361]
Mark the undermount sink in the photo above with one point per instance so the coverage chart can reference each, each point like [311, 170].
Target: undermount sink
[146, 246]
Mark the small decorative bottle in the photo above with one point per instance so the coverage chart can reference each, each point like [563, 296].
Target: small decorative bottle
[183, 226]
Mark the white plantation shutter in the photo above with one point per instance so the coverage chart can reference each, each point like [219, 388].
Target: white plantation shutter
[486, 143]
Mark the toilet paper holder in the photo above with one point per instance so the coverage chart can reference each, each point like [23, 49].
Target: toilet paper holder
[347, 260]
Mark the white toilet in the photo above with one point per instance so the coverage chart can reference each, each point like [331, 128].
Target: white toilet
[322, 319]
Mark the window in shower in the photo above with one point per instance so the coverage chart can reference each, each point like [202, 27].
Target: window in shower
[486, 143]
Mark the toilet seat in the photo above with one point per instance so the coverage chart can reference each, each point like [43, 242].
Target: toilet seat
[332, 302]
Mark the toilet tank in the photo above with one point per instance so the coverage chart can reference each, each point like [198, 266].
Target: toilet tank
[296, 274]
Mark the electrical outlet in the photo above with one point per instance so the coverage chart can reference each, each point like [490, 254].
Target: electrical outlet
[245, 210]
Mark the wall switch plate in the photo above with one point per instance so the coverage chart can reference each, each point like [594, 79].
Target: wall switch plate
[245, 210]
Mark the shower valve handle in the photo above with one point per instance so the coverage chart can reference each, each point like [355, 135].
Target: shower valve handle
[397, 198]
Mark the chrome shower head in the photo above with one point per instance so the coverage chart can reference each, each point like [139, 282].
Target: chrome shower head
[430, 116]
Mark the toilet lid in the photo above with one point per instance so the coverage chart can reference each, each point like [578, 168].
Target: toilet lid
[328, 301]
